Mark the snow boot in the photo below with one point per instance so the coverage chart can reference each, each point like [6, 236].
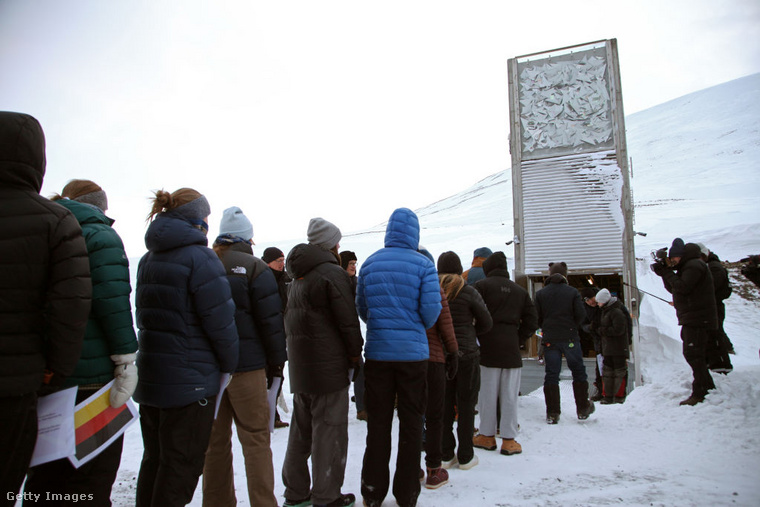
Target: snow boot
[484, 442]
[436, 477]
[584, 407]
[692, 400]
[346, 500]
[509, 446]
[551, 396]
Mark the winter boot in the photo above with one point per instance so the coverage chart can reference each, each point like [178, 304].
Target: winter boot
[692, 400]
[608, 380]
[584, 407]
[484, 442]
[551, 396]
[346, 500]
[436, 477]
[509, 446]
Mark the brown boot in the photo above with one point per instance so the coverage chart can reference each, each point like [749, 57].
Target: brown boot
[509, 446]
[484, 442]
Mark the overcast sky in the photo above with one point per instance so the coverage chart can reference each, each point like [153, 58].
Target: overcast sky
[345, 110]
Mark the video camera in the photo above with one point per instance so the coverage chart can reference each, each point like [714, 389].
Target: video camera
[660, 256]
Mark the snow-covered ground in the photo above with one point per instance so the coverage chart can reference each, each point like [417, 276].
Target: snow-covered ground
[696, 174]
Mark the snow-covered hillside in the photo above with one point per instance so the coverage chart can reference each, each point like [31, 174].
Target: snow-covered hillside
[696, 174]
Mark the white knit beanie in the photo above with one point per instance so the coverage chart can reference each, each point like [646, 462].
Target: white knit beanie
[603, 296]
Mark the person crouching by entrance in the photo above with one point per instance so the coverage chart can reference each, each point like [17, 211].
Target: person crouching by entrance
[615, 330]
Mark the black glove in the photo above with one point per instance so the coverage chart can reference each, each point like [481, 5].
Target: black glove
[272, 372]
[452, 365]
[659, 269]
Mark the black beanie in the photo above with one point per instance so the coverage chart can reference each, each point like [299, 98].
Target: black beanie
[558, 267]
[588, 292]
[272, 254]
[448, 262]
[346, 256]
[677, 248]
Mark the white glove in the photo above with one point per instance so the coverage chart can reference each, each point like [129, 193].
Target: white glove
[124, 379]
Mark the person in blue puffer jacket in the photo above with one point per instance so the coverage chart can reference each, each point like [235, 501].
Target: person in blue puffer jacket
[187, 339]
[399, 298]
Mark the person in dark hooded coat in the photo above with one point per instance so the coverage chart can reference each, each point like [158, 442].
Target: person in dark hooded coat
[324, 342]
[44, 295]
[560, 315]
[514, 321]
[688, 279]
[614, 328]
[187, 339]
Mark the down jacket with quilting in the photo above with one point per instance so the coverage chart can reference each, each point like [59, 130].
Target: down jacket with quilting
[110, 329]
[398, 295]
[45, 285]
[321, 325]
[185, 316]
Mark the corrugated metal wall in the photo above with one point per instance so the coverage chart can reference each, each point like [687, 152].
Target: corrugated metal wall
[572, 212]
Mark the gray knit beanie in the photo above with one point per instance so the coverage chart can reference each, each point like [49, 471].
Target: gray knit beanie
[97, 198]
[235, 223]
[323, 233]
[603, 296]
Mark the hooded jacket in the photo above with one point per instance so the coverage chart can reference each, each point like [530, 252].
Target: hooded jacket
[185, 316]
[513, 314]
[258, 309]
[110, 328]
[398, 295]
[614, 329]
[560, 310]
[692, 287]
[45, 285]
[321, 324]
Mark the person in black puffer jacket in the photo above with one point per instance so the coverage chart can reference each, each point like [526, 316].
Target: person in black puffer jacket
[560, 315]
[45, 292]
[324, 341]
[719, 345]
[258, 317]
[471, 318]
[187, 339]
[514, 321]
[694, 299]
[614, 328]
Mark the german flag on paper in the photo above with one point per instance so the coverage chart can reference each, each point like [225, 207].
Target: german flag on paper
[97, 424]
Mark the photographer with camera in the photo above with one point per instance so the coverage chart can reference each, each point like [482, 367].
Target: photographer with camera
[687, 277]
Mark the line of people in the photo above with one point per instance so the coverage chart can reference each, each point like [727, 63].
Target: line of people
[436, 345]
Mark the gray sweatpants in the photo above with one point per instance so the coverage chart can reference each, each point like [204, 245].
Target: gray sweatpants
[500, 385]
[318, 428]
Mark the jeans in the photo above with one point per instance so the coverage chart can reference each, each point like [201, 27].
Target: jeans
[553, 353]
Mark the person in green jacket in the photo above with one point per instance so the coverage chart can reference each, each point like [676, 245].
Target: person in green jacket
[108, 351]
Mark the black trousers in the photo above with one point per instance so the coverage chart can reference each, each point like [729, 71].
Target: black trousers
[462, 392]
[694, 344]
[383, 382]
[175, 442]
[18, 434]
[436, 391]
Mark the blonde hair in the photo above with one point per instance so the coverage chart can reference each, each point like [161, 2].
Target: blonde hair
[164, 201]
[451, 284]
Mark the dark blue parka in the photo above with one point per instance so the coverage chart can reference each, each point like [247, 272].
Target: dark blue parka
[398, 295]
[258, 313]
[185, 316]
[560, 310]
